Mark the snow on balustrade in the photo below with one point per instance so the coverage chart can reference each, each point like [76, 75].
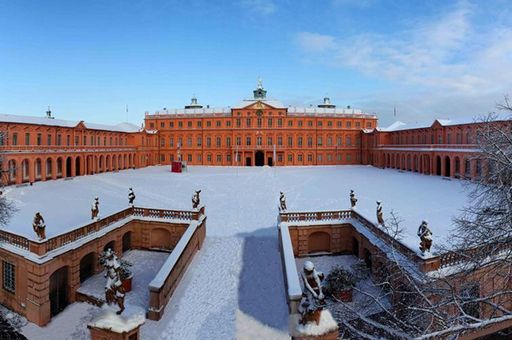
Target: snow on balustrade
[78, 233]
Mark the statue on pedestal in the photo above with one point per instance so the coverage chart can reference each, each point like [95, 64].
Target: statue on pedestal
[425, 235]
[380, 214]
[312, 302]
[196, 200]
[95, 209]
[114, 291]
[39, 226]
[282, 202]
[353, 199]
[131, 197]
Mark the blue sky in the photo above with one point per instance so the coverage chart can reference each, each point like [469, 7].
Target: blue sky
[89, 59]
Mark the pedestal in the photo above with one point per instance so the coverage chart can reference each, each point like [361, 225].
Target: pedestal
[109, 325]
[326, 329]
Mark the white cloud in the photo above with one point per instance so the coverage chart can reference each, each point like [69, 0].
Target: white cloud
[314, 42]
[264, 7]
[434, 63]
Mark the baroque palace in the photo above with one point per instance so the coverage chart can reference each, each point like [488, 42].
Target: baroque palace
[255, 132]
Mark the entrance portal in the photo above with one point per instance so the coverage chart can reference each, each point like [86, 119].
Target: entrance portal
[248, 161]
[269, 161]
[58, 291]
[259, 159]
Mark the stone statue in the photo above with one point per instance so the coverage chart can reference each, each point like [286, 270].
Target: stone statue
[380, 214]
[312, 298]
[95, 209]
[353, 199]
[196, 200]
[131, 197]
[39, 226]
[114, 291]
[282, 202]
[425, 235]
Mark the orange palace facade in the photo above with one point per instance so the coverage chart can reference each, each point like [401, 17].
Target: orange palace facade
[255, 132]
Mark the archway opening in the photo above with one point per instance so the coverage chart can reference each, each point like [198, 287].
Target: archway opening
[438, 165]
[58, 291]
[68, 167]
[259, 158]
[355, 246]
[447, 166]
[127, 241]
[77, 166]
[87, 266]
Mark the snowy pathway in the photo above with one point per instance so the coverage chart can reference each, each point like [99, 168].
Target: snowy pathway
[234, 286]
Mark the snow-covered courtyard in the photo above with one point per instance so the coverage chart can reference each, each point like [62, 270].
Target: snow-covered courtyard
[234, 286]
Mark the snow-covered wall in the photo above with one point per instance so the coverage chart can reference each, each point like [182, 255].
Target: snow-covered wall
[294, 291]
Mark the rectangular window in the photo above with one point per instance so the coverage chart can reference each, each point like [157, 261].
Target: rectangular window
[349, 125]
[199, 124]
[171, 124]
[189, 158]
[248, 122]
[199, 141]
[9, 274]
[290, 141]
[358, 124]
[338, 124]
[259, 122]
[299, 142]
[219, 158]
[228, 142]
[189, 124]
[279, 140]
[259, 140]
[77, 140]
[348, 141]
[68, 140]
[280, 122]
[162, 142]
[300, 123]
[238, 122]
[319, 157]
[290, 123]
[2, 141]
[248, 141]
[218, 123]
[310, 142]
[310, 158]
[59, 139]
[228, 157]
[171, 142]
[208, 123]
[162, 124]
[270, 122]
[329, 141]
[85, 140]
[269, 140]
[208, 142]
[39, 139]
[228, 123]
[238, 140]
[162, 158]
[329, 123]
[319, 141]
[15, 138]
[180, 124]
[310, 123]
[319, 123]
[189, 142]
[299, 157]
[218, 142]
[27, 139]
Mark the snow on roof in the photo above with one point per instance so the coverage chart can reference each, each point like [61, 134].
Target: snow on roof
[400, 126]
[121, 127]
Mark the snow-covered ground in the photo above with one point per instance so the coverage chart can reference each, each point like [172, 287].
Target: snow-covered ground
[145, 265]
[234, 286]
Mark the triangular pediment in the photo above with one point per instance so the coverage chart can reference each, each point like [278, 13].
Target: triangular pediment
[81, 125]
[258, 105]
[436, 124]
